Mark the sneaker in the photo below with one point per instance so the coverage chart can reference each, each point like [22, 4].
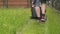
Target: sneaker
[43, 19]
[38, 19]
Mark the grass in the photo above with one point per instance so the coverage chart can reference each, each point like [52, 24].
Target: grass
[53, 21]
[11, 19]
[17, 21]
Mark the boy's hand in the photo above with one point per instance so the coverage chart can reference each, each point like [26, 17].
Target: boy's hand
[32, 4]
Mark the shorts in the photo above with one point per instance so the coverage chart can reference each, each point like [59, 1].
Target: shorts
[37, 3]
[43, 1]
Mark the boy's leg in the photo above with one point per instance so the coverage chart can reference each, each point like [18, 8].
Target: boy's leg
[43, 8]
[37, 8]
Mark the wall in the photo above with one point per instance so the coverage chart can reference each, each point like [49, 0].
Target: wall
[16, 3]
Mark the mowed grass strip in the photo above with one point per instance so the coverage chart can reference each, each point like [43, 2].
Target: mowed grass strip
[34, 28]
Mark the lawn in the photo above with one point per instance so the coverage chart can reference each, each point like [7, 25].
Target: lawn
[17, 21]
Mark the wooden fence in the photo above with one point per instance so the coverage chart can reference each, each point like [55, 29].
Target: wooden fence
[16, 3]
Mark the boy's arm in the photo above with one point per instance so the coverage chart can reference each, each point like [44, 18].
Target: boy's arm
[32, 3]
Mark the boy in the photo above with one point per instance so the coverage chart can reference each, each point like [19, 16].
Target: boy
[36, 4]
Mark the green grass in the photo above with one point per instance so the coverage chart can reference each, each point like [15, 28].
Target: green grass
[53, 21]
[11, 19]
[17, 21]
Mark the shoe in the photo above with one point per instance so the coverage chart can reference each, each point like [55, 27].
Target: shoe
[43, 19]
[39, 19]
[33, 17]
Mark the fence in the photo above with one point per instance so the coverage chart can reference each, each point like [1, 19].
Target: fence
[55, 4]
[16, 3]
